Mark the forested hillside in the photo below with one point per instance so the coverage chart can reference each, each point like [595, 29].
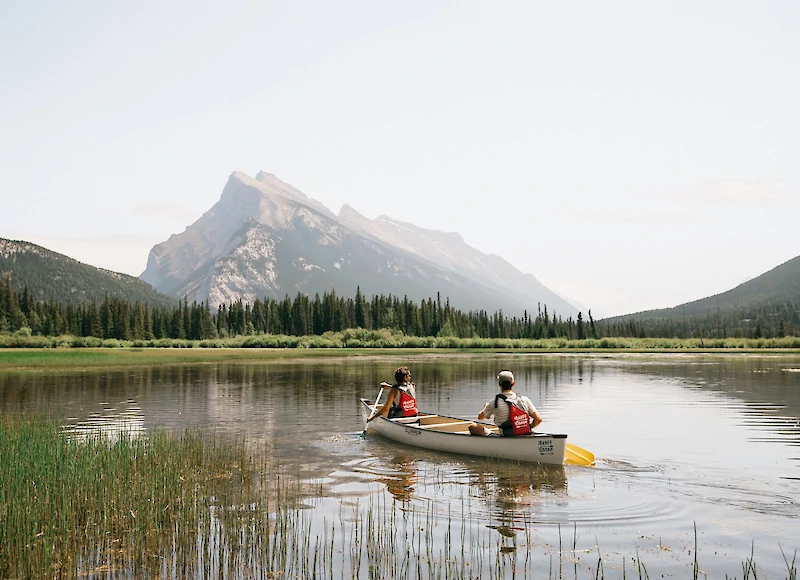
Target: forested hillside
[46, 275]
[767, 306]
[769, 321]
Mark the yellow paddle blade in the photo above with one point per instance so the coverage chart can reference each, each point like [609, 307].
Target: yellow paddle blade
[578, 455]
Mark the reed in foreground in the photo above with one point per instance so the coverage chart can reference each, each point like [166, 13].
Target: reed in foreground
[77, 507]
[194, 505]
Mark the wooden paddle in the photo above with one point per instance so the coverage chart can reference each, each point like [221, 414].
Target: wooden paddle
[374, 410]
[578, 456]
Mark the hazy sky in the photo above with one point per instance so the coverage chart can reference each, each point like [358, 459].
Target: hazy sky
[631, 155]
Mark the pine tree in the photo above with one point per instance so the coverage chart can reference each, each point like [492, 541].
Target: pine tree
[360, 309]
[592, 329]
[317, 315]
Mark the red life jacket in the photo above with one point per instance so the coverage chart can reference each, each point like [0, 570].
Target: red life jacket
[407, 406]
[518, 422]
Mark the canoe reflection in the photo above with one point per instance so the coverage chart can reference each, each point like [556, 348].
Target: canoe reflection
[511, 485]
[515, 492]
[403, 480]
[508, 493]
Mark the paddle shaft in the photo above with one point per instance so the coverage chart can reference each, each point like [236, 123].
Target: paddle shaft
[374, 410]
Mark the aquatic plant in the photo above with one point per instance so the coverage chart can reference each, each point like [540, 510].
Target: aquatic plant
[78, 506]
[192, 504]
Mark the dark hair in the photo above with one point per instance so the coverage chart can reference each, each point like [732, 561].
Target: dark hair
[506, 384]
[401, 374]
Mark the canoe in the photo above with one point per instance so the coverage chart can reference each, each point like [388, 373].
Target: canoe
[451, 435]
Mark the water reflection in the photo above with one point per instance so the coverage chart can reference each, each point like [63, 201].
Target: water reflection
[514, 494]
[403, 479]
[685, 438]
[112, 422]
[505, 496]
[765, 391]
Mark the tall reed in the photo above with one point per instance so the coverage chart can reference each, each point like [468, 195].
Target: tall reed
[194, 505]
[97, 505]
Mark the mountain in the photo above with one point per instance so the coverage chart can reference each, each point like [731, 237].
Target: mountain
[265, 238]
[777, 287]
[451, 252]
[52, 276]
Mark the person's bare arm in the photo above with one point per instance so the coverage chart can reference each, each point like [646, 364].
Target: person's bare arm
[536, 419]
[384, 412]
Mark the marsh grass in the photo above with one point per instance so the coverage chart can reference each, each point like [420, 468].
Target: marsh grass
[95, 506]
[192, 505]
[48, 359]
[58, 353]
[357, 338]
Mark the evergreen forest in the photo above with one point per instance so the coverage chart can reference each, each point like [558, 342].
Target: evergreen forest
[116, 318]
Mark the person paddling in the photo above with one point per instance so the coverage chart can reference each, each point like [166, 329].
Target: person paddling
[402, 398]
[513, 414]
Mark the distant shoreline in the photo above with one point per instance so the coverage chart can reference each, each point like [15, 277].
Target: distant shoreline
[67, 358]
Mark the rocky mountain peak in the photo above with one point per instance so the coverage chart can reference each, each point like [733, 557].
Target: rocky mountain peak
[265, 237]
[350, 216]
[266, 176]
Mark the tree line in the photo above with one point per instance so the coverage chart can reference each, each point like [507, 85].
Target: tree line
[302, 316]
[298, 316]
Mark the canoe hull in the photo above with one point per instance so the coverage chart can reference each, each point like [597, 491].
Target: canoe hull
[449, 434]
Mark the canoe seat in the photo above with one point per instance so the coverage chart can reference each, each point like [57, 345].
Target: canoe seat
[411, 419]
[449, 426]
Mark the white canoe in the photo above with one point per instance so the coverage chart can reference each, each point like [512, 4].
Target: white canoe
[451, 435]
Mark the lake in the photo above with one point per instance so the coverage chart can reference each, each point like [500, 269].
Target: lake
[682, 440]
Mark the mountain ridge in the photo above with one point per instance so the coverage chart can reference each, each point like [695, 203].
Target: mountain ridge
[778, 285]
[49, 275]
[286, 241]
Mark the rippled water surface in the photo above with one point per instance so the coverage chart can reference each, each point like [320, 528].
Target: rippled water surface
[680, 440]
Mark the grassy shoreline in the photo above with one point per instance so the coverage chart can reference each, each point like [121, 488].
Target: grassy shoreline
[358, 338]
[59, 353]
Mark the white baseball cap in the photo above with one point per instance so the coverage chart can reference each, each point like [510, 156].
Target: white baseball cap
[505, 377]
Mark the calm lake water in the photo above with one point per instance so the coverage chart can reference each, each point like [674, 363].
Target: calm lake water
[681, 440]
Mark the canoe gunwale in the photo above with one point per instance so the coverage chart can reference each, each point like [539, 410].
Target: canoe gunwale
[537, 447]
[413, 423]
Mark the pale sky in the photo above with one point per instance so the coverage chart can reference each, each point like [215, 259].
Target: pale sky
[630, 155]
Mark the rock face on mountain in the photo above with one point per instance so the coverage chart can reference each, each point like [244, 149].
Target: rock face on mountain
[264, 238]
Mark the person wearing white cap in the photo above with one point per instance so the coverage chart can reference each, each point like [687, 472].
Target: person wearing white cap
[513, 414]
